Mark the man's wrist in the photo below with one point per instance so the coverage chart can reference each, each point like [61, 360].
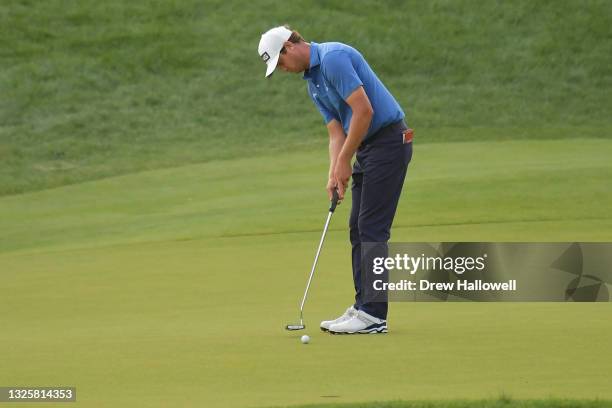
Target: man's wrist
[345, 156]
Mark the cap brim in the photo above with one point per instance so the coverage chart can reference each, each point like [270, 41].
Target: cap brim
[272, 65]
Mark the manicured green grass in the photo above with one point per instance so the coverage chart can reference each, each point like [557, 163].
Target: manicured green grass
[502, 402]
[91, 89]
[172, 287]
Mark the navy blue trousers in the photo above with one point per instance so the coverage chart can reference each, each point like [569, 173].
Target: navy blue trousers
[378, 178]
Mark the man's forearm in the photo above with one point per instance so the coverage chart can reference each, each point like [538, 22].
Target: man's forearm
[360, 123]
[335, 146]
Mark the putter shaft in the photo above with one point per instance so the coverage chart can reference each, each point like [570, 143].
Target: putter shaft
[332, 208]
[314, 265]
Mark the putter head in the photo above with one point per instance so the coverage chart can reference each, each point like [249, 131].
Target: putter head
[292, 327]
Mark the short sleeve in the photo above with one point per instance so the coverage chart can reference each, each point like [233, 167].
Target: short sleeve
[340, 73]
[327, 115]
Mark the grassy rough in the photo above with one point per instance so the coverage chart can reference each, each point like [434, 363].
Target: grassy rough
[92, 89]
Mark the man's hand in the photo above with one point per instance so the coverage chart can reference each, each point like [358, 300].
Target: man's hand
[331, 186]
[342, 174]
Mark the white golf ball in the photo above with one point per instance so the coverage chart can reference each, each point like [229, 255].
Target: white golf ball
[305, 339]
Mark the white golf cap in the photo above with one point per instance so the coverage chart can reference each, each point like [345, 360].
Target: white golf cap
[271, 44]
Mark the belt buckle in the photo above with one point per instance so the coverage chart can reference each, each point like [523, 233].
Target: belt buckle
[407, 135]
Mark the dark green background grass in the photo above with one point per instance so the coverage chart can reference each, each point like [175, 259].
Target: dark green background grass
[90, 89]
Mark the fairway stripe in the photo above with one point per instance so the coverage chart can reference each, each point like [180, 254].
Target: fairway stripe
[29, 251]
[448, 224]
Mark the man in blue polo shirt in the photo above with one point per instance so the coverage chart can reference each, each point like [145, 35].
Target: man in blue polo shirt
[362, 118]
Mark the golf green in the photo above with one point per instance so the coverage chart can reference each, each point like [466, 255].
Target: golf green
[172, 287]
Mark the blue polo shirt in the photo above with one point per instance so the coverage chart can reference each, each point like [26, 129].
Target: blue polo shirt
[336, 70]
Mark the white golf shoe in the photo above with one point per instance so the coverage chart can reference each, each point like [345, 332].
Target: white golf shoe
[360, 322]
[325, 324]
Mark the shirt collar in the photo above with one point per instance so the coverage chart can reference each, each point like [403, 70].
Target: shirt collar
[315, 59]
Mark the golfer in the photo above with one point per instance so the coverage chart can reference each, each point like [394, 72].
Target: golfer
[362, 118]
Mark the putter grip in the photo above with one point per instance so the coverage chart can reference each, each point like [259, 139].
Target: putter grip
[334, 201]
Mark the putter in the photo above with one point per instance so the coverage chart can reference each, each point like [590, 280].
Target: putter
[332, 207]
